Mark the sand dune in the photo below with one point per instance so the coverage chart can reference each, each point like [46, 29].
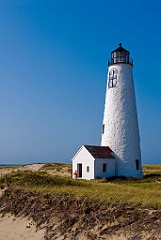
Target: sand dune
[12, 228]
[32, 167]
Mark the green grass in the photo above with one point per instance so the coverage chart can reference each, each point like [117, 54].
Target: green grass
[57, 167]
[142, 192]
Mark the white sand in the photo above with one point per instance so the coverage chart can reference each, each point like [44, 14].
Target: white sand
[32, 167]
[12, 228]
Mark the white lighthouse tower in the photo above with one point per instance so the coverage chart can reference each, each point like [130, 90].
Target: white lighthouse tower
[120, 124]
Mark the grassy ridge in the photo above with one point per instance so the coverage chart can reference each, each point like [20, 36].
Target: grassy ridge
[57, 167]
[144, 192]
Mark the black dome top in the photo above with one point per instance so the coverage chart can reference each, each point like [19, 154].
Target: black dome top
[120, 49]
[120, 55]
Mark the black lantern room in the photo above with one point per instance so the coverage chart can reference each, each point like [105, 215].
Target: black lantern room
[120, 55]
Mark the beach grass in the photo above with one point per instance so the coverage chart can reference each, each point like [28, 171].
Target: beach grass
[9, 167]
[141, 192]
[151, 169]
[57, 167]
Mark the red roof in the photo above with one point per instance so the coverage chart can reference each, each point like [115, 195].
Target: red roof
[99, 151]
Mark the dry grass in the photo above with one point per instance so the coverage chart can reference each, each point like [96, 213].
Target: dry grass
[57, 167]
[143, 192]
[80, 209]
[151, 169]
[67, 217]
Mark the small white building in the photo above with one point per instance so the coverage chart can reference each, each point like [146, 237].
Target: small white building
[92, 162]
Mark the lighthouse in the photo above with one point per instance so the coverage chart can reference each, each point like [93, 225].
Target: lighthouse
[120, 129]
[119, 153]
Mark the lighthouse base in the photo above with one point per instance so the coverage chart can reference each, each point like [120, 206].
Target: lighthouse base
[128, 168]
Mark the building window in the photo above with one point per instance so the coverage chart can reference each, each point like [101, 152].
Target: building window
[87, 168]
[104, 167]
[103, 128]
[112, 79]
[137, 164]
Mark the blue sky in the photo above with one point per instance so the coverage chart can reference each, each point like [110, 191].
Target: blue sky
[53, 66]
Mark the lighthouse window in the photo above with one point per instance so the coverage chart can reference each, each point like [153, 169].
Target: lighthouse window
[103, 128]
[112, 79]
[137, 164]
[104, 167]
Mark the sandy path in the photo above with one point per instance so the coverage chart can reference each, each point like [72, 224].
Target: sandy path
[12, 228]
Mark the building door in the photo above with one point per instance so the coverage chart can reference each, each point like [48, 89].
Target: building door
[79, 169]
